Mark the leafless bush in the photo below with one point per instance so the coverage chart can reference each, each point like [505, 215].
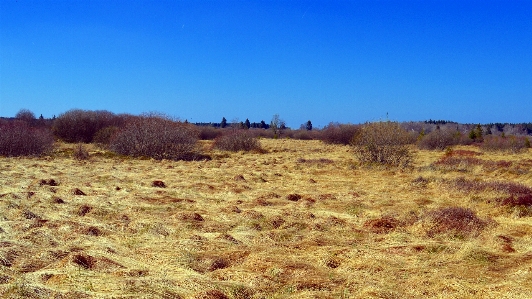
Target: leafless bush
[261, 133]
[19, 139]
[209, 133]
[81, 126]
[239, 140]
[307, 134]
[335, 133]
[103, 137]
[156, 137]
[383, 143]
[439, 140]
[511, 144]
[25, 115]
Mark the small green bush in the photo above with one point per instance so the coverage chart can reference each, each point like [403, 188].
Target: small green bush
[17, 138]
[156, 137]
[383, 143]
[239, 140]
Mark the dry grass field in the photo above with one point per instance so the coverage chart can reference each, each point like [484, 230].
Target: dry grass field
[300, 220]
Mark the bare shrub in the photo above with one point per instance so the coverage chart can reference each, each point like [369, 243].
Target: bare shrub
[510, 144]
[80, 126]
[19, 139]
[439, 140]
[25, 115]
[239, 140]
[261, 133]
[209, 133]
[383, 143]
[456, 221]
[103, 137]
[156, 137]
[335, 133]
[306, 134]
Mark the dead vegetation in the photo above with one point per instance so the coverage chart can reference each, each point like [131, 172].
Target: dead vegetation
[301, 219]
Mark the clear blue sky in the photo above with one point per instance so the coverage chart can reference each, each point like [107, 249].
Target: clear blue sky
[344, 61]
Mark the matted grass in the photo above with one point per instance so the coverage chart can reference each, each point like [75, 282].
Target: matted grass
[301, 220]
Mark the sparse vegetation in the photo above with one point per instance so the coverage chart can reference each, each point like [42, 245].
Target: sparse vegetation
[297, 219]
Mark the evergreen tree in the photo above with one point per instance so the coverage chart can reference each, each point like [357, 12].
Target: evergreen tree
[223, 124]
[247, 124]
[308, 126]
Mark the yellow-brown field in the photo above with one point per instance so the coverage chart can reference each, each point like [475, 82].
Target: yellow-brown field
[301, 220]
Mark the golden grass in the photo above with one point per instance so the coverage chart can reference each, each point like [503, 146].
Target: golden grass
[302, 220]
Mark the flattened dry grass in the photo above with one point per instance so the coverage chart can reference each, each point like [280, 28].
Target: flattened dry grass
[299, 220]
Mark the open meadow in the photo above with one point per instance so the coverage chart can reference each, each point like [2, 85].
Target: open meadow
[300, 219]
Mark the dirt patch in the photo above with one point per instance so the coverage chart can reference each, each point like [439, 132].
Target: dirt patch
[77, 191]
[48, 182]
[158, 184]
[84, 210]
[293, 197]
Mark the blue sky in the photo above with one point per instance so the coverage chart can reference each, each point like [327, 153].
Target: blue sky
[343, 61]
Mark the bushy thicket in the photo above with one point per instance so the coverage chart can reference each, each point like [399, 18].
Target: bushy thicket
[157, 137]
[335, 133]
[511, 144]
[238, 140]
[383, 143]
[439, 139]
[81, 126]
[18, 138]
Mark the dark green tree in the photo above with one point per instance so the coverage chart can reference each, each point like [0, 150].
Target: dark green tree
[223, 124]
[247, 124]
[308, 126]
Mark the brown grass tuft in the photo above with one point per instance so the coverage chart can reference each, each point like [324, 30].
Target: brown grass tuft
[456, 221]
[211, 294]
[382, 225]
